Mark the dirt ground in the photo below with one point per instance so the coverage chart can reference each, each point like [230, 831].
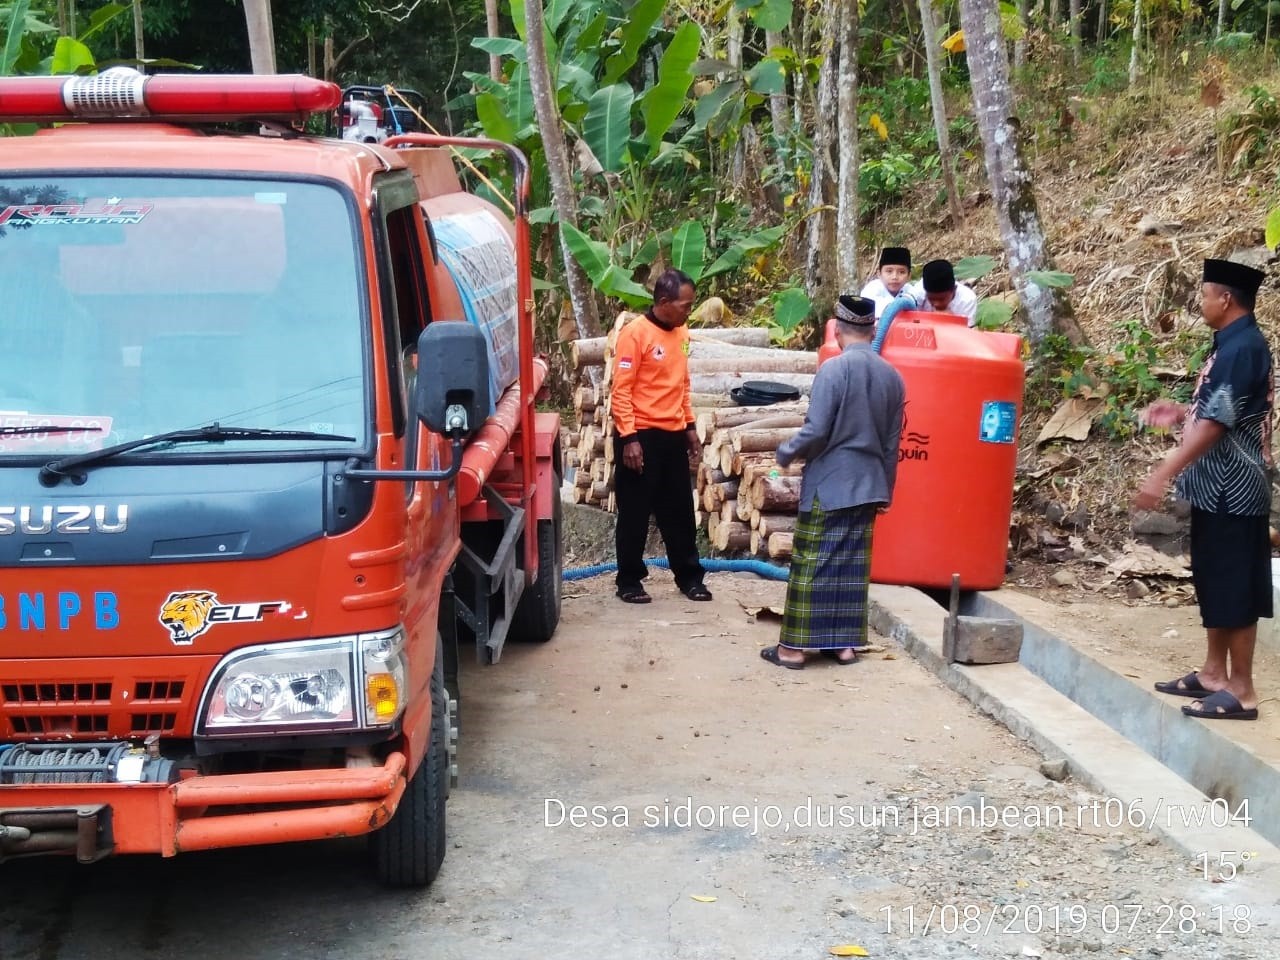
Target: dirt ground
[637, 716]
[645, 786]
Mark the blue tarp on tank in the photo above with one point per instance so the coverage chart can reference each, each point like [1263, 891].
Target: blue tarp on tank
[481, 259]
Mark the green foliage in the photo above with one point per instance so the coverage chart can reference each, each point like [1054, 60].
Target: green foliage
[667, 99]
[611, 280]
[1273, 228]
[607, 125]
[884, 180]
[1249, 134]
[993, 314]
[689, 249]
[640, 20]
[1055, 279]
[767, 14]
[903, 153]
[1234, 42]
[973, 268]
[732, 258]
[1106, 73]
[15, 30]
[1124, 381]
[791, 308]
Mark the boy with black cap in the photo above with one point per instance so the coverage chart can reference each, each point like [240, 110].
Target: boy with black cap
[937, 290]
[891, 276]
[849, 443]
[1223, 466]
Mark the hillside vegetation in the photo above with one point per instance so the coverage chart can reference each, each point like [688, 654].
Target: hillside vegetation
[1135, 189]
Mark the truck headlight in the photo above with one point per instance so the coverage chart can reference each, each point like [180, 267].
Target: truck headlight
[385, 673]
[283, 686]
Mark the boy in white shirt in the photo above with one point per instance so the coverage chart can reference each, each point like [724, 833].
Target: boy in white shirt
[890, 278]
[938, 291]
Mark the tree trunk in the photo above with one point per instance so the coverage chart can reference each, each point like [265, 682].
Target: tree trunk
[733, 54]
[847, 144]
[139, 47]
[71, 18]
[1076, 40]
[1222, 19]
[492, 30]
[820, 262]
[586, 353]
[933, 55]
[765, 439]
[710, 421]
[724, 382]
[734, 535]
[779, 545]
[585, 314]
[1103, 32]
[62, 18]
[778, 108]
[748, 366]
[262, 44]
[1137, 42]
[1047, 310]
[1020, 45]
[775, 494]
[776, 523]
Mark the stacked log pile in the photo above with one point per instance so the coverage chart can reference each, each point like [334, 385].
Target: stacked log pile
[744, 499]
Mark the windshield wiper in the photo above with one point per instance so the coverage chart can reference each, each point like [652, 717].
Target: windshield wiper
[22, 431]
[55, 470]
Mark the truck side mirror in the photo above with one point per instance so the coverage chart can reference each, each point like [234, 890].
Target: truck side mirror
[451, 395]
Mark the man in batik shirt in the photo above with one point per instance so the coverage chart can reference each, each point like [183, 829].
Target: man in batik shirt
[1223, 466]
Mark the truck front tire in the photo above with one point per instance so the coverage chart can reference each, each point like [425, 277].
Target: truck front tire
[409, 850]
[538, 613]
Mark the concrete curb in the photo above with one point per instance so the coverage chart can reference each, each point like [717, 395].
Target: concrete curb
[1097, 756]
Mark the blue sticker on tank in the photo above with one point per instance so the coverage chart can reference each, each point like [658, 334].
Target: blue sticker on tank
[999, 422]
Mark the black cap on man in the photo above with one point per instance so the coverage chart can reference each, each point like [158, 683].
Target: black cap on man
[1242, 281]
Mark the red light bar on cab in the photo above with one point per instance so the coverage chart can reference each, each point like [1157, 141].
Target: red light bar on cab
[122, 93]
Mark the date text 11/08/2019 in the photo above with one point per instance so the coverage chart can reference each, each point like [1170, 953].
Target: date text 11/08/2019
[1066, 919]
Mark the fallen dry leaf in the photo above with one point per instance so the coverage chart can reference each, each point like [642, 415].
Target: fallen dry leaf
[1141, 560]
[763, 611]
[1071, 421]
[702, 899]
[847, 950]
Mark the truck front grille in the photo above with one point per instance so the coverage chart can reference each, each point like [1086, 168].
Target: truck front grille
[86, 692]
[39, 710]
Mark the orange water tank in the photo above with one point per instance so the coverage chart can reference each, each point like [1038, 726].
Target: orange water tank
[830, 346]
[954, 494]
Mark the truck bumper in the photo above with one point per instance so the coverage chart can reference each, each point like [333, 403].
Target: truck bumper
[94, 820]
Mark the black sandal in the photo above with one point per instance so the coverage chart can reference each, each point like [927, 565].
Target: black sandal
[697, 592]
[633, 595]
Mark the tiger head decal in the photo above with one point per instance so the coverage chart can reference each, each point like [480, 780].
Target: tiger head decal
[186, 614]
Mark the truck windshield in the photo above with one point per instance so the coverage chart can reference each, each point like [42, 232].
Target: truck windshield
[134, 306]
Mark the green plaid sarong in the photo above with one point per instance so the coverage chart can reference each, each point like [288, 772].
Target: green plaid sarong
[826, 605]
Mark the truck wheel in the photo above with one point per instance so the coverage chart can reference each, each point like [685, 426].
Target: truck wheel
[408, 851]
[538, 612]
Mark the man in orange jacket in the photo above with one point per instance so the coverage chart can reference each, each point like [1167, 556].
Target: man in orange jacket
[655, 440]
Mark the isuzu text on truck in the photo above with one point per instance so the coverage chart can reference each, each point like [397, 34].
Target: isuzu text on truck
[268, 456]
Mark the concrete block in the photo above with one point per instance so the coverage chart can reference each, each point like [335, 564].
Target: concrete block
[987, 640]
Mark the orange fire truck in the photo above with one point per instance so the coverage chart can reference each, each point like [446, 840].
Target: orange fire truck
[269, 457]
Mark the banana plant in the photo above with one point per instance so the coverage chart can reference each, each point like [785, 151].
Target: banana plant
[627, 134]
